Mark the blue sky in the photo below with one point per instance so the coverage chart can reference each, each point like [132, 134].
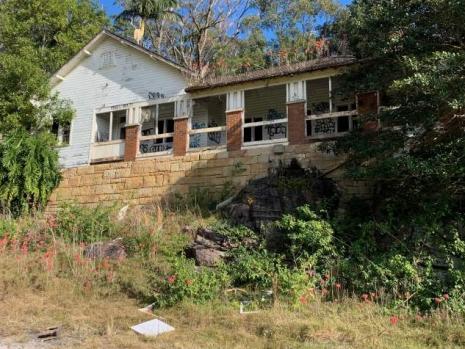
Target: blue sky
[111, 9]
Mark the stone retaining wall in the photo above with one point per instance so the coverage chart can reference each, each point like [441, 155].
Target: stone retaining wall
[145, 181]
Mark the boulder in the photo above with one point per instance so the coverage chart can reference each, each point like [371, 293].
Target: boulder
[111, 249]
[208, 248]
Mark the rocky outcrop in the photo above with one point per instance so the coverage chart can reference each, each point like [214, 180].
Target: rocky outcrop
[267, 199]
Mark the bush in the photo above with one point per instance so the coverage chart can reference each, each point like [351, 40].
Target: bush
[185, 282]
[81, 224]
[29, 171]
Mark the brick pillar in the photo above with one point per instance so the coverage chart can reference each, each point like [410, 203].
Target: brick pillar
[132, 142]
[296, 122]
[368, 103]
[180, 136]
[234, 130]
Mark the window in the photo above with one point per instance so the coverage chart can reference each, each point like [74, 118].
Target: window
[265, 115]
[330, 109]
[111, 126]
[157, 121]
[62, 132]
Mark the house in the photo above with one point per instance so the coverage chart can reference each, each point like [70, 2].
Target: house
[116, 85]
[133, 104]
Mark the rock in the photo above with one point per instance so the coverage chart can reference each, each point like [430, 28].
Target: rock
[208, 248]
[111, 249]
[266, 199]
[208, 257]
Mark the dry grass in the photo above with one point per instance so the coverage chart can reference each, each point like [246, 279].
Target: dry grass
[100, 315]
[91, 320]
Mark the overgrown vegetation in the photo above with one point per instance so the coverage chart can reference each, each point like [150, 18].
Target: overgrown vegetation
[43, 265]
[29, 171]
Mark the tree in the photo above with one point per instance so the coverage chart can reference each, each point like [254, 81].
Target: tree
[414, 52]
[293, 26]
[53, 29]
[36, 38]
[147, 10]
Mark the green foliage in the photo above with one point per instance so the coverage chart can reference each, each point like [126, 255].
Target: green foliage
[305, 245]
[186, 282]
[29, 171]
[36, 38]
[306, 237]
[48, 32]
[87, 225]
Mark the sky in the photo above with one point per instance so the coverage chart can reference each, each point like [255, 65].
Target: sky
[111, 9]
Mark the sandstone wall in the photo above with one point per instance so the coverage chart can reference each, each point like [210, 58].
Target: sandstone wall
[145, 181]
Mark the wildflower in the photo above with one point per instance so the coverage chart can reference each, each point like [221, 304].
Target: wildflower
[48, 260]
[445, 296]
[24, 248]
[394, 320]
[171, 279]
[52, 222]
[303, 299]
[437, 300]
[3, 243]
[365, 297]
[338, 285]
[324, 292]
[189, 282]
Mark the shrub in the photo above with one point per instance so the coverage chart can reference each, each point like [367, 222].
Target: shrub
[80, 224]
[185, 282]
[29, 171]
[306, 237]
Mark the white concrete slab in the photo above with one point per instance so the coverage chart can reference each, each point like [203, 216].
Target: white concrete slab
[152, 328]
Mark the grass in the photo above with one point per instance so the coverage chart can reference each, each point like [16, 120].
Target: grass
[96, 310]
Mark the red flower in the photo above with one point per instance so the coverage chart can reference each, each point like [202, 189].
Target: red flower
[445, 296]
[3, 243]
[25, 247]
[171, 279]
[48, 259]
[338, 285]
[394, 320]
[437, 300]
[303, 299]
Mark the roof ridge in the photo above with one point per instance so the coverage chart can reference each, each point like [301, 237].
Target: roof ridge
[152, 51]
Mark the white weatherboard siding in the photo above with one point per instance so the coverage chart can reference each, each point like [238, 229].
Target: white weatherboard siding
[114, 74]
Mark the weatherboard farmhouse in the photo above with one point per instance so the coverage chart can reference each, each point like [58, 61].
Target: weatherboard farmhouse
[144, 127]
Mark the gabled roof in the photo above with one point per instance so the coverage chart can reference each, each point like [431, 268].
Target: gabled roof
[275, 72]
[86, 51]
